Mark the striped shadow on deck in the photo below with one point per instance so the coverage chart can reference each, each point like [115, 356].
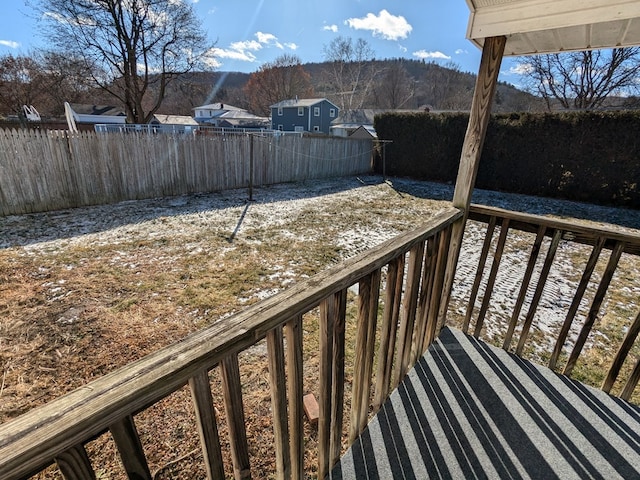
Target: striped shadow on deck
[469, 410]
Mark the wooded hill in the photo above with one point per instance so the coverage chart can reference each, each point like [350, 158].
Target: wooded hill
[426, 84]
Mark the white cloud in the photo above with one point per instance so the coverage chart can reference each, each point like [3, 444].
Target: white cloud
[520, 69]
[423, 54]
[9, 43]
[461, 51]
[331, 28]
[268, 39]
[385, 25]
[244, 51]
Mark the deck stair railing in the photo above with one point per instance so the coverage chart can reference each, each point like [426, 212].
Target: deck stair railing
[586, 304]
[402, 278]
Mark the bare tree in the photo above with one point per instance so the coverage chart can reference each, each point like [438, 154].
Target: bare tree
[395, 87]
[138, 46]
[583, 80]
[22, 82]
[350, 71]
[282, 79]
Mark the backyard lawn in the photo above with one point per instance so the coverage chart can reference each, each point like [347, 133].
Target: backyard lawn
[87, 290]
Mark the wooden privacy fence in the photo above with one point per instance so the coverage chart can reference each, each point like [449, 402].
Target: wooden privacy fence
[52, 170]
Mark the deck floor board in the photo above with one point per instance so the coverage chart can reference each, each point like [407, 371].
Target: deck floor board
[470, 410]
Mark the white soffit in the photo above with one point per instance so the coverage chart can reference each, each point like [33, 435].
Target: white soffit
[548, 26]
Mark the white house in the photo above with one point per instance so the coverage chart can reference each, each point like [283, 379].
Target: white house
[225, 115]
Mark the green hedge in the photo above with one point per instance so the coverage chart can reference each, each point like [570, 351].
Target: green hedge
[586, 156]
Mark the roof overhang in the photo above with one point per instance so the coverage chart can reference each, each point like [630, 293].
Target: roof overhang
[550, 26]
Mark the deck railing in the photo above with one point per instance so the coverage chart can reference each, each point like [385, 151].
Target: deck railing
[401, 281]
[595, 271]
[409, 272]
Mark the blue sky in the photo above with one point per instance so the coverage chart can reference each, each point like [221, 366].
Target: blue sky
[248, 33]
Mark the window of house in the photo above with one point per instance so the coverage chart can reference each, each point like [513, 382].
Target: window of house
[332, 112]
[316, 128]
[279, 111]
[299, 129]
[316, 111]
[300, 111]
[280, 127]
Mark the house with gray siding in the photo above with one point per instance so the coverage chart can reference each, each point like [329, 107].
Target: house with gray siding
[305, 115]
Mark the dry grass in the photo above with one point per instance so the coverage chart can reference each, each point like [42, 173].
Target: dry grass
[84, 292]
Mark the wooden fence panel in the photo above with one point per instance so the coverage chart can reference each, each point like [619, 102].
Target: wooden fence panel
[51, 170]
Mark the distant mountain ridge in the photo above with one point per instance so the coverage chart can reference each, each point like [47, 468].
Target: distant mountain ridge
[435, 86]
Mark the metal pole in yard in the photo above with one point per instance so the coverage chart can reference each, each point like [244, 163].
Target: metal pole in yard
[251, 167]
[384, 161]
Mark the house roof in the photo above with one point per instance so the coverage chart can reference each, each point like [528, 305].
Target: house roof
[217, 106]
[106, 110]
[550, 26]
[175, 119]
[303, 102]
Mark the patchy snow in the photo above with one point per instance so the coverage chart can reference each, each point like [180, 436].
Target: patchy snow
[231, 214]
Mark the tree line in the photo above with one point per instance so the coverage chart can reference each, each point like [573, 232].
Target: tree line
[152, 56]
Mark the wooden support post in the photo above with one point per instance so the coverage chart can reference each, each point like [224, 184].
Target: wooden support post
[207, 425]
[495, 265]
[390, 316]
[277, 381]
[524, 286]
[405, 331]
[251, 166]
[436, 298]
[331, 373]
[471, 151]
[612, 264]
[537, 295]
[232, 391]
[125, 435]
[575, 304]
[621, 356]
[369, 289]
[293, 332]
[75, 464]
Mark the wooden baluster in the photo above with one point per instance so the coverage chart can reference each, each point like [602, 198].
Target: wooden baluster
[533, 257]
[426, 293]
[435, 307]
[125, 435]
[232, 392]
[74, 464]
[595, 307]
[390, 316]
[632, 382]
[405, 334]
[484, 253]
[621, 356]
[542, 280]
[293, 332]
[207, 424]
[575, 304]
[331, 373]
[369, 291]
[495, 265]
[337, 397]
[277, 381]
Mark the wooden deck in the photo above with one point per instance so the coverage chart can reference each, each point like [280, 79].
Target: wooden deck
[469, 410]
